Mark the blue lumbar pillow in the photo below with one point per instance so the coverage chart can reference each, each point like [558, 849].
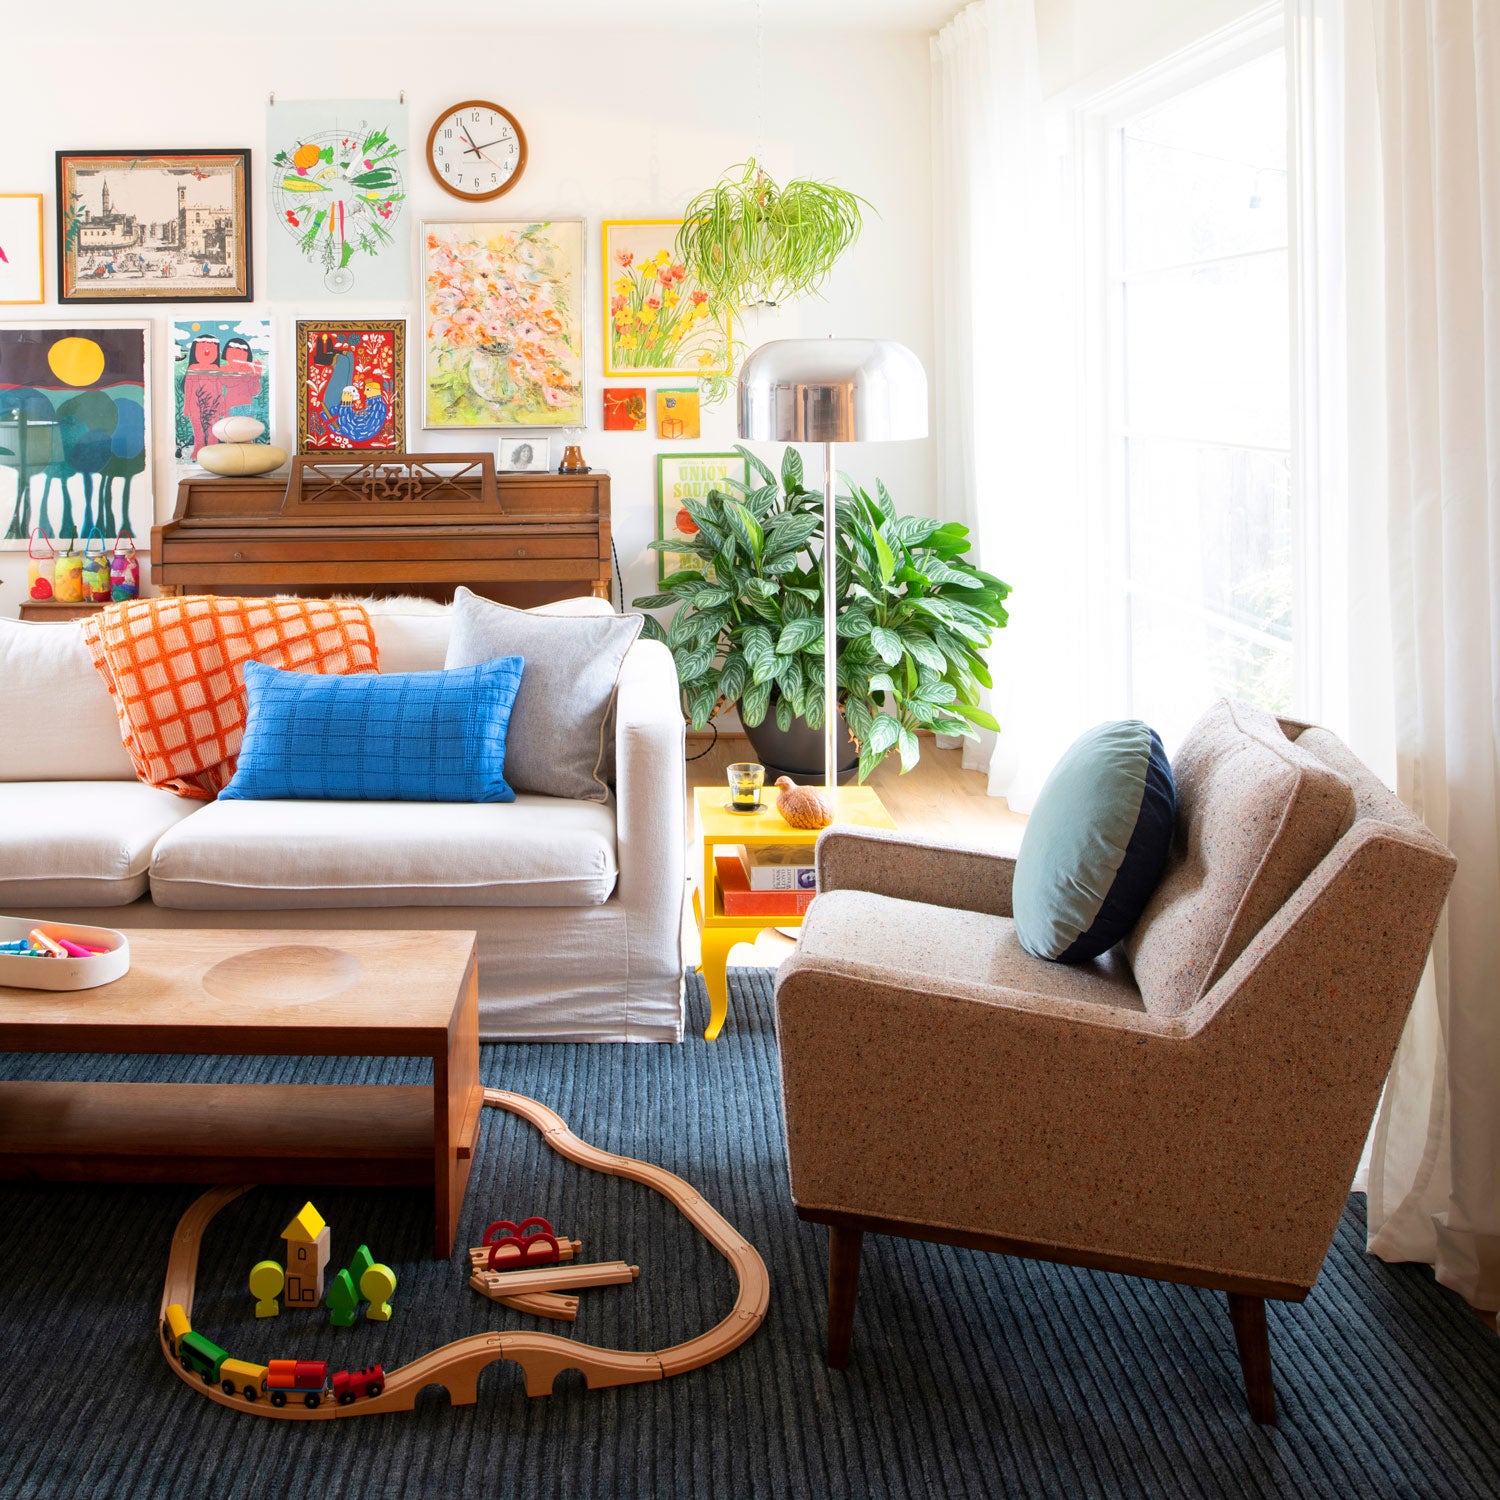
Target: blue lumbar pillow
[1095, 844]
[403, 737]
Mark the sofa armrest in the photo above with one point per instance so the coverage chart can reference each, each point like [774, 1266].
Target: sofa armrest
[650, 782]
[888, 864]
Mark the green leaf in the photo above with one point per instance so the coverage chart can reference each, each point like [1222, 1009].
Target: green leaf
[854, 623]
[760, 653]
[701, 698]
[884, 733]
[790, 681]
[979, 717]
[747, 526]
[694, 663]
[887, 505]
[887, 643]
[937, 692]
[710, 597]
[791, 469]
[924, 650]
[800, 635]
[885, 557]
[881, 683]
[757, 463]
[790, 533]
[654, 601]
[733, 676]
[783, 715]
[753, 703]
[651, 629]
[910, 751]
[858, 715]
[868, 760]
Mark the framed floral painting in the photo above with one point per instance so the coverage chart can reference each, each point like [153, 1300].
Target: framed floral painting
[502, 342]
[351, 386]
[656, 319]
[153, 226]
[681, 477]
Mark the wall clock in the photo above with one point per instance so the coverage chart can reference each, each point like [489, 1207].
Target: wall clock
[477, 150]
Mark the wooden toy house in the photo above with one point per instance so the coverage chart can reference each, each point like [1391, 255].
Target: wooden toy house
[307, 1248]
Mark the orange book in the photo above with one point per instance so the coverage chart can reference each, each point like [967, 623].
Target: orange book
[740, 901]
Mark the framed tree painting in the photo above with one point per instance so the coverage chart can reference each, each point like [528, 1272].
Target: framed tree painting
[502, 342]
[220, 368]
[75, 431]
[153, 226]
[656, 318]
[681, 477]
[21, 250]
[351, 386]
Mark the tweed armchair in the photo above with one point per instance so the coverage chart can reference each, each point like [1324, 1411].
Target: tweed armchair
[1191, 1108]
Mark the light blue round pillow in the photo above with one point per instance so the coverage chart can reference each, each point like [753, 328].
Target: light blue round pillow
[1095, 844]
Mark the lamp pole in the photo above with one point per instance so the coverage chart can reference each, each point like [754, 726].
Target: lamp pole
[830, 627]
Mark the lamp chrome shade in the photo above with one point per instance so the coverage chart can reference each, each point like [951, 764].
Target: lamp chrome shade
[832, 391]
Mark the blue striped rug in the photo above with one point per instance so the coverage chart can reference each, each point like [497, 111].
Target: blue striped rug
[972, 1374]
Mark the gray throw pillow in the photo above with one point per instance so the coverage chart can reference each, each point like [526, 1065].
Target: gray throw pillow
[558, 743]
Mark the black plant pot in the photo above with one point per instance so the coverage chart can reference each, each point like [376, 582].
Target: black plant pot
[798, 752]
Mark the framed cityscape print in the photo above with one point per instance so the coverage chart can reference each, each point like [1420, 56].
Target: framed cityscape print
[75, 431]
[153, 226]
[502, 340]
[681, 477]
[656, 319]
[351, 386]
[220, 368]
[21, 250]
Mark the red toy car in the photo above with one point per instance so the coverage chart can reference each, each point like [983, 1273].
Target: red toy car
[348, 1387]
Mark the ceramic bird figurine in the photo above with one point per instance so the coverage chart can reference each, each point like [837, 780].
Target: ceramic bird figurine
[802, 806]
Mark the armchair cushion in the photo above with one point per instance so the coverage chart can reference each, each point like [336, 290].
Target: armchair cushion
[941, 950]
[1096, 843]
[1255, 815]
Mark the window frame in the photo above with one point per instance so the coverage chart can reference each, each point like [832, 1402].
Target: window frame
[1307, 31]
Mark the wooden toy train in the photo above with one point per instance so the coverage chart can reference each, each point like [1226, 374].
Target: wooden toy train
[279, 1380]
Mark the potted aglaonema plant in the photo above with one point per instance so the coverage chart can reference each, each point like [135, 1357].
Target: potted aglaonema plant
[914, 620]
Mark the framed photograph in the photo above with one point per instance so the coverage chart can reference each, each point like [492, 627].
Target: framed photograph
[338, 173]
[75, 431]
[656, 319]
[351, 386]
[220, 368]
[688, 476]
[21, 282]
[502, 335]
[153, 226]
[528, 455]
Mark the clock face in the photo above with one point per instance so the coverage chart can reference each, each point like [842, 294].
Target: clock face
[477, 150]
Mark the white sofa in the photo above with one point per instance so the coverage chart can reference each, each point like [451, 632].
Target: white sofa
[578, 905]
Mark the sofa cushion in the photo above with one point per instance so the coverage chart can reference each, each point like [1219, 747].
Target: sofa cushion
[559, 743]
[535, 851]
[57, 719]
[1095, 843]
[1255, 815]
[82, 843]
[407, 737]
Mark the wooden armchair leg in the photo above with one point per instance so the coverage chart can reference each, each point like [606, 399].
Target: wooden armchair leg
[1248, 1314]
[843, 1287]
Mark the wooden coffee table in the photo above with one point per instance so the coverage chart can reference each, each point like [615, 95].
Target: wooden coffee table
[258, 993]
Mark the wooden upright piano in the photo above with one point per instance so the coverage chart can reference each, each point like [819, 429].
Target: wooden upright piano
[394, 523]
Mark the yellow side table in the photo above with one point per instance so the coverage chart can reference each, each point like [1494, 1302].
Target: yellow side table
[715, 824]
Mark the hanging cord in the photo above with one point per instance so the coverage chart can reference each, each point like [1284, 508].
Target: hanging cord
[708, 747]
[760, 83]
[619, 576]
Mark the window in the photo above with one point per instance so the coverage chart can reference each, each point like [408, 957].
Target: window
[1191, 424]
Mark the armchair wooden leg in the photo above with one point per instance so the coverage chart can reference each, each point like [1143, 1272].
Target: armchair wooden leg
[1248, 1314]
[843, 1287]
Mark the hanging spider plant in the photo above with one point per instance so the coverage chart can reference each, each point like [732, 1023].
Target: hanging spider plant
[748, 242]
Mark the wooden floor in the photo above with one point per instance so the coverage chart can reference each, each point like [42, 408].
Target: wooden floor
[937, 799]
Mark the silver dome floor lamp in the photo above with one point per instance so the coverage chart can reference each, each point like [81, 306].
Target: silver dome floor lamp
[832, 391]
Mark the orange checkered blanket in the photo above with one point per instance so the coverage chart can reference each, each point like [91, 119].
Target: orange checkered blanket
[176, 669]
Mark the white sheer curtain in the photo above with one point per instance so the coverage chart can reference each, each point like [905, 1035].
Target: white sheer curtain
[1434, 1176]
[1000, 337]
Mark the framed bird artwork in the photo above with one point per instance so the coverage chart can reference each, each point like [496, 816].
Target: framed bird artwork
[351, 386]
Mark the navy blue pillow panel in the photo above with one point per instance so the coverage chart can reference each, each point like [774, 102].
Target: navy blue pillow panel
[1141, 869]
[402, 737]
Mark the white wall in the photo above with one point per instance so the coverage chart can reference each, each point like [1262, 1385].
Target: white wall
[624, 122]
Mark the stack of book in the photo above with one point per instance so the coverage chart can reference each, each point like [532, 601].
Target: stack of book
[778, 880]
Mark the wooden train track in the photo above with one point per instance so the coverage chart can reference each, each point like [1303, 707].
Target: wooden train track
[542, 1356]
